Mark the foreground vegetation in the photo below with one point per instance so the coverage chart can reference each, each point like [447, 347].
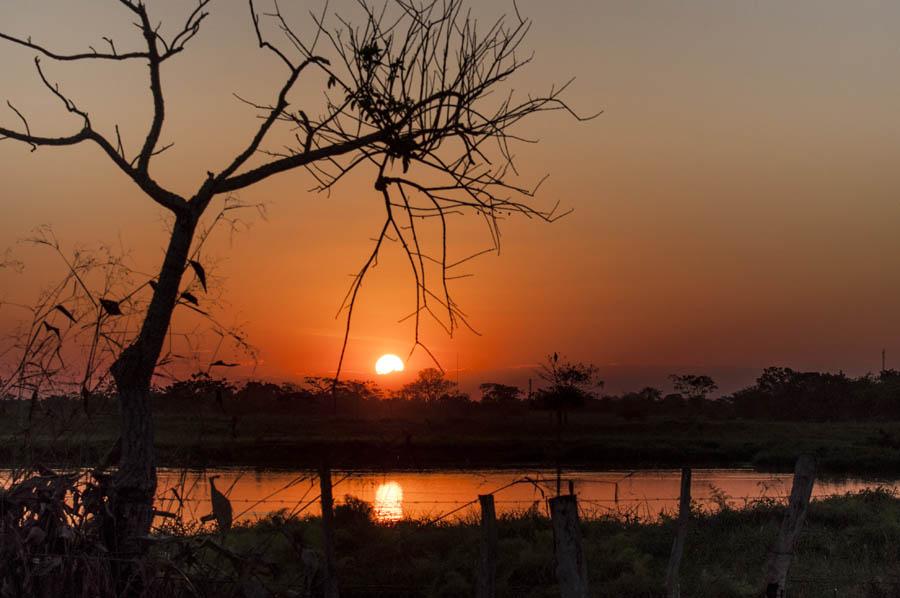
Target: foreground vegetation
[850, 547]
[55, 544]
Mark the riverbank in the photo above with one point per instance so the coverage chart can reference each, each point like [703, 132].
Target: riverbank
[850, 547]
[206, 437]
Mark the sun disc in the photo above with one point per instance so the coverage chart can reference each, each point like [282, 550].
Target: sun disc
[388, 364]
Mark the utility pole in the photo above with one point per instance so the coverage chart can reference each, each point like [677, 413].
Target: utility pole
[883, 352]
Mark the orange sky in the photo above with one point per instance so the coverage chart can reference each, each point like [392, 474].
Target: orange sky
[735, 206]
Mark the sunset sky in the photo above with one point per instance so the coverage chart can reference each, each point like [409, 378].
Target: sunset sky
[735, 206]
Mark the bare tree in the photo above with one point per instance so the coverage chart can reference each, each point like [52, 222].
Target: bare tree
[414, 91]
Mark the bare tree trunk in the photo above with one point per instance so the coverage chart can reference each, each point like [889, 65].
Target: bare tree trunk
[782, 551]
[673, 587]
[134, 483]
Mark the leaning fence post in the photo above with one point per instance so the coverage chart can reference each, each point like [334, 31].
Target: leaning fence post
[673, 589]
[487, 572]
[330, 575]
[571, 568]
[783, 550]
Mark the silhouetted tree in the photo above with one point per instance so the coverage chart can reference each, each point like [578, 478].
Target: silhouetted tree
[430, 386]
[673, 403]
[640, 404]
[493, 393]
[693, 386]
[785, 393]
[414, 93]
[200, 386]
[778, 380]
[257, 391]
[569, 386]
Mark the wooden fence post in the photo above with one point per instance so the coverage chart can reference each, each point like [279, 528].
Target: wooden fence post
[673, 589]
[571, 567]
[783, 550]
[487, 572]
[330, 575]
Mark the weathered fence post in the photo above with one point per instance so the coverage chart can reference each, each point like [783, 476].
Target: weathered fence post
[783, 550]
[673, 589]
[330, 575]
[571, 567]
[487, 572]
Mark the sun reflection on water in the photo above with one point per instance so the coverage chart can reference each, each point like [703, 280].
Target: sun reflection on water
[389, 502]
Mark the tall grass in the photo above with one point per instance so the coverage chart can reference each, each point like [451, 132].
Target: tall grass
[850, 544]
[53, 546]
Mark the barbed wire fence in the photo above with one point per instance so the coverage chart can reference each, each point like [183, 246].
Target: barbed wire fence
[587, 508]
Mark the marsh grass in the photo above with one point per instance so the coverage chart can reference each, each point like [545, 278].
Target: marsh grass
[850, 545]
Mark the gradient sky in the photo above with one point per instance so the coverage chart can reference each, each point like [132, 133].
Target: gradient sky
[735, 206]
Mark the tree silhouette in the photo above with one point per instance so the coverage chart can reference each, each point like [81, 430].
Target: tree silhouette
[494, 393]
[414, 92]
[694, 386]
[430, 386]
[569, 386]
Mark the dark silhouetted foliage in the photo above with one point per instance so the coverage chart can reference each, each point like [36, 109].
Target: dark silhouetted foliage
[493, 393]
[569, 384]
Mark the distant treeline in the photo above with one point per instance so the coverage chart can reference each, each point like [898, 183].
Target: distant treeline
[778, 394]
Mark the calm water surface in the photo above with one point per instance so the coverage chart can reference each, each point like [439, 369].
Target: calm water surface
[450, 494]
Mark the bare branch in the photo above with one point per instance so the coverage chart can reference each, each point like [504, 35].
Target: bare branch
[274, 114]
[260, 173]
[159, 106]
[139, 174]
[24, 122]
[94, 55]
[411, 91]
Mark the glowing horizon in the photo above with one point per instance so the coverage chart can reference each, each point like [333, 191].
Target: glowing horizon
[734, 206]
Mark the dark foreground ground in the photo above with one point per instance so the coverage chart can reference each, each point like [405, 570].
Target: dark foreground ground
[202, 435]
[849, 547]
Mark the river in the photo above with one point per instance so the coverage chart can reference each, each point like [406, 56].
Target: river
[451, 495]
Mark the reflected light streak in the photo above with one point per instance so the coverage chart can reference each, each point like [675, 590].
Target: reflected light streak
[389, 502]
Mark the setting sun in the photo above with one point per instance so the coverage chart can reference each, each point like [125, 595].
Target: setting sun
[388, 364]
